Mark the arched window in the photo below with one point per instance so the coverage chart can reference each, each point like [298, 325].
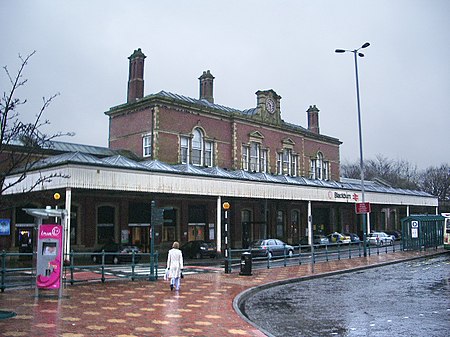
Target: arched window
[319, 168]
[197, 147]
[196, 150]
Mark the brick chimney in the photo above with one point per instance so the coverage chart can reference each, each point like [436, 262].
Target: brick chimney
[313, 119]
[207, 86]
[136, 76]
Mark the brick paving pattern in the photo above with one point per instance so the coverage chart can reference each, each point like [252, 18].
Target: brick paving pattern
[203, 306]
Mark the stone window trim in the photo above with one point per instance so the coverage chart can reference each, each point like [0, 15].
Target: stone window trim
[197, 148]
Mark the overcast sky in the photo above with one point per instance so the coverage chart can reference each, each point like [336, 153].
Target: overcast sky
[288, 46]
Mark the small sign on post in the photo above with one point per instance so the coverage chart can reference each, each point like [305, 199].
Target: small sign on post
[362, 207]
[414, 229]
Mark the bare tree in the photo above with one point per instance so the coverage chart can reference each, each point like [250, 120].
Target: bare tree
[401, 174]
[351, 170]
[436, 181]
[21, 144]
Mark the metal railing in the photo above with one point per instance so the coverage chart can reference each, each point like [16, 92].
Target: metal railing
[306, 254]
[18, 269]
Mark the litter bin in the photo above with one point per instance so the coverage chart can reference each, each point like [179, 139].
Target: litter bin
[246, 264]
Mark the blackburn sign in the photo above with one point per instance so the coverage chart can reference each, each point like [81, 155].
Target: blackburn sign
[343, 196]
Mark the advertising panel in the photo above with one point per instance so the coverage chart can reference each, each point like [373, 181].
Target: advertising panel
[5, 226]
[49, 256]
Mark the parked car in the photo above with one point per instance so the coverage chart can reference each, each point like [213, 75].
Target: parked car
[396, 234]
[199, 249]
[354, 238]
[338, 238]
[117, 253]
[317, 240]
[271, 248]
[379, 239]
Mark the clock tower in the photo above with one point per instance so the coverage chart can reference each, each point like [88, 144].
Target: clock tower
[268, 106]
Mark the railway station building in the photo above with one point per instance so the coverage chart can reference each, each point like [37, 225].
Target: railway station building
[189, 156]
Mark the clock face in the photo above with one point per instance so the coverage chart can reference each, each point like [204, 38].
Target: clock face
[270, 105]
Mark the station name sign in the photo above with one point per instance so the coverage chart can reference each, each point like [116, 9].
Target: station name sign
[343, 195]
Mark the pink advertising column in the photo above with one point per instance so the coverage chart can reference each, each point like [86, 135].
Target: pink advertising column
[49, 256]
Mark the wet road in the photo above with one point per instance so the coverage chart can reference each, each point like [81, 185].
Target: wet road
[406, 299]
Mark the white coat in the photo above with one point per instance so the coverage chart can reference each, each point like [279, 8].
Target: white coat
[175, 262]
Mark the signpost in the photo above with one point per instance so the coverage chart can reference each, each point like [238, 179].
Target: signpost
[362, 207]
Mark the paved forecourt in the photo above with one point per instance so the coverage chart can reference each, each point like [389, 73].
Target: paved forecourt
[203, 306]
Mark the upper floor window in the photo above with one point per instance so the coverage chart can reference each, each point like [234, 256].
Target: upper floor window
[197, 147]
[254, 157]
[196, 150]
[147, 146]
[185, 151]
[320, 168]
[287, 162]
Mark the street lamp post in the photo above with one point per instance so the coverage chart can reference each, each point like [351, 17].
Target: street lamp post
[356, 53]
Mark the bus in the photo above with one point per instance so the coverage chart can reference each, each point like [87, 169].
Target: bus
[446, 230]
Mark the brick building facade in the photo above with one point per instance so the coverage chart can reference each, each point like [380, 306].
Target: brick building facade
[176, 129]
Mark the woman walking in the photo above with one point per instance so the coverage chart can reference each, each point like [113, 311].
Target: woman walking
[175, 266]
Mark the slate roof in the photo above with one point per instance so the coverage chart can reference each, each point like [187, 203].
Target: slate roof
[125, 163]
[203, 102]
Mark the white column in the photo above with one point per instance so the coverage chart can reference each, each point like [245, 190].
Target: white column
[407, 210]
[219, 225]
[310, 229]
[67, 222]
[367, 215]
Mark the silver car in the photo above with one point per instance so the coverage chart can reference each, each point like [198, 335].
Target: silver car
[270, 248]
[379, 239]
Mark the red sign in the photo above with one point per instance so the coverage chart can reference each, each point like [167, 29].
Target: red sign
[362, 207]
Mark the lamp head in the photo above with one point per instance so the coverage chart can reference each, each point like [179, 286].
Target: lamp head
[360, 54]
[339, 51]
[365, 45]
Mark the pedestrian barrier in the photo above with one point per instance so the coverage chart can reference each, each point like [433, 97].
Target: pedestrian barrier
[307, 254]
[18, 270]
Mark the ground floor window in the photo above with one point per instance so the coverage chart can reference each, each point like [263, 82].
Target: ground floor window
[196, 232]
[105, 233]
[74, 226]
[246, 219]
[105, 224]
[280, 225]
[294, 228]
[169, 231]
